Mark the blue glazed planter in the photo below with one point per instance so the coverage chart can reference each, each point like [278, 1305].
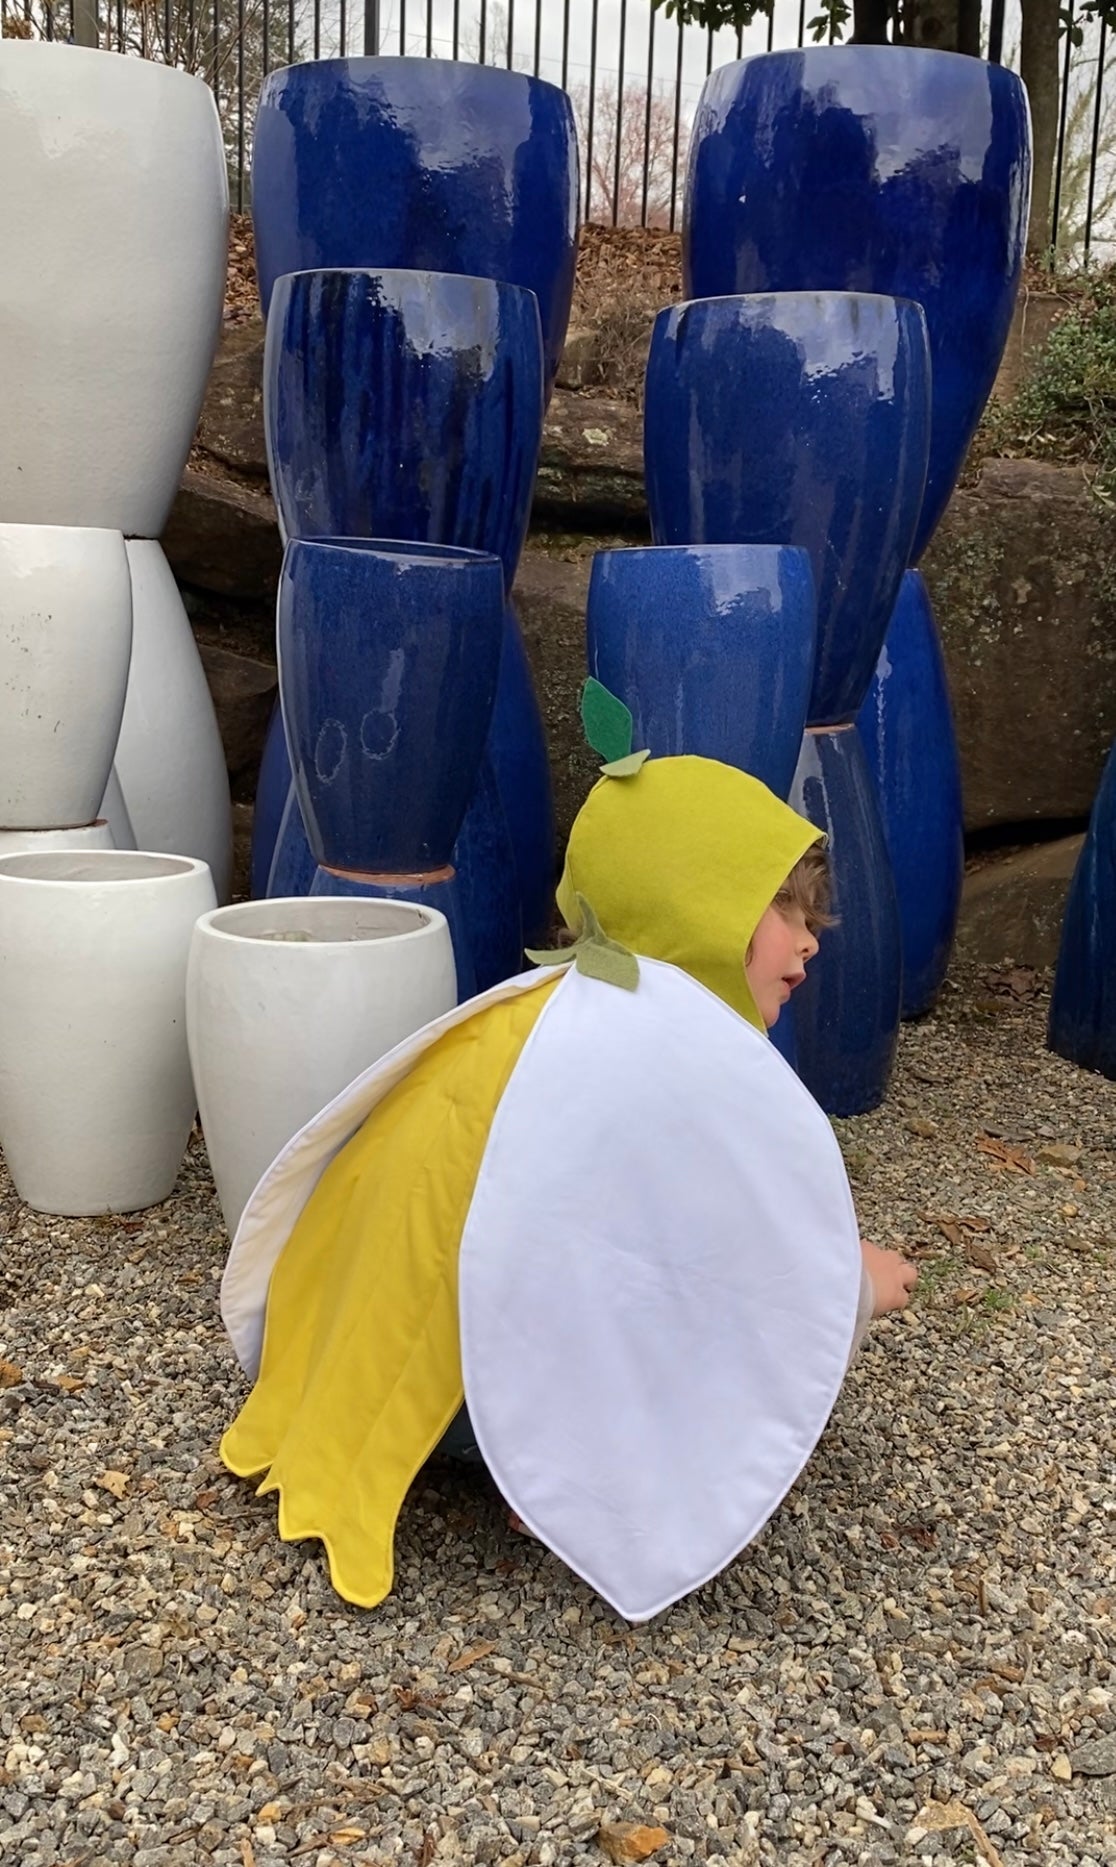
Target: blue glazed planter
[404, 404]
[906, 725]
[518, 752]
[388, 660]
[441, 891]
[273, 785]
[1083, 1005]
[419, 162]
[797, 419]
[712, 649]
[875, 169]
[846, 1015]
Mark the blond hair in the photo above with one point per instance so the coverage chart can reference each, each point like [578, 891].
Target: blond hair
[808, 887]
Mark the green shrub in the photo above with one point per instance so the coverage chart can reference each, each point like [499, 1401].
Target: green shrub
[1066, 410]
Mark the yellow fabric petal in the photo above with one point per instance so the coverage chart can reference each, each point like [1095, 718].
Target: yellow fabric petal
[680, 862]
[361, 1366]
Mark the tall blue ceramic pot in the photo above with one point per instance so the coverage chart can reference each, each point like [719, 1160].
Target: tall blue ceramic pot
[906, 725]
[389, 655]
[1083, 1004]
[419, 162]
[404, 404]
[875, 169]
[712, 649]
[800, 418]
[846, 1015]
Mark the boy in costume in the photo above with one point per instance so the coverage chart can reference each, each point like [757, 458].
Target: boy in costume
[595, 1202]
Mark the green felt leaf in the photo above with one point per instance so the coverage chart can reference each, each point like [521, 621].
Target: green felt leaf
[607, 722]
[593, 953]
[559, 956]
[626, 767]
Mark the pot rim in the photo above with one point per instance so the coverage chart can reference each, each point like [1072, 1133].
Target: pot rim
[171, 868]
[496, 287]
[431, 921]
[737, 298]
[366, 63]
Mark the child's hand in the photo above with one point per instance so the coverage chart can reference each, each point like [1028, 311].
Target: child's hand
[892, 1278]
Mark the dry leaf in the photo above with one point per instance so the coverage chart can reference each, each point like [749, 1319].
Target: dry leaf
[1004, 1154]
[471, 1655]
[920, 1126]
[982, 1257]
[427, 1851]
[347, 1837]
[631, 1841]
[116, 1482]
[10, 1375]
[247, 1853]
[69, 1383]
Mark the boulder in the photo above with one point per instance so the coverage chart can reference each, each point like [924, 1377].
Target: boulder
[244, 691]
[550, 597]
[591, 466]
[231, 426]
[1012, 906]
[1021, 578]
[223, 536]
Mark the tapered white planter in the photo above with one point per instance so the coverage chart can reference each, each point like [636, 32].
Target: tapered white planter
[96, 1096]
[65, 644]
[113, 249]
[169, 758]
[287, 1001]
[115, 813]
[54, 842]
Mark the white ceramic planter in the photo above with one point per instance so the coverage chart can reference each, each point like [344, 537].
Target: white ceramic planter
[52, 842]
[169, 758]
[114, 236]
[115, 813]
[96, 1097]
[65, 644]
[278, 1027]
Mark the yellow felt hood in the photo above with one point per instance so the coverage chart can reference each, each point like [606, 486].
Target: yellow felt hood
[680, 861]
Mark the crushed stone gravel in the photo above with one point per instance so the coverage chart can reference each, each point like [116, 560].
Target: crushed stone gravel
[914, 1663]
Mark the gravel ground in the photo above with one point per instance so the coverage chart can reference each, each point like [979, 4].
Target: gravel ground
[914, 1663]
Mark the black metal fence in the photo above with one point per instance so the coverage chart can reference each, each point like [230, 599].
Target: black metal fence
[635, 77]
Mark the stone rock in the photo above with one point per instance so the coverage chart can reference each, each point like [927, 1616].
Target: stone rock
[591, 466]
[244, 693]
[631, 1841]
[223, 536]
[550, 595]
[1097, 1758]
[231, 427]
[581, 366]
[1035, 316]
[1012, 908]
[1021, 578]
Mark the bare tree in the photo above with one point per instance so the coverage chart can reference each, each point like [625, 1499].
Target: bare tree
[636, 190]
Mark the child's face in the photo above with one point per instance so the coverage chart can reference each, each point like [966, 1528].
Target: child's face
[782, 947]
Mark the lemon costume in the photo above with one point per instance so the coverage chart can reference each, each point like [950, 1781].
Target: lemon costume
[612, 1218]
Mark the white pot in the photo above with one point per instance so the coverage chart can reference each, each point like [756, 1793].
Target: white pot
[96, 1097]
[278, 1027]
[169, 758]
[115, 813]
[49, 842]
[65, 644]
[114, 236]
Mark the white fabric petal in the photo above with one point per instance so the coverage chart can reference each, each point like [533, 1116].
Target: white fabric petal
[274, 1208]
[659, 1284]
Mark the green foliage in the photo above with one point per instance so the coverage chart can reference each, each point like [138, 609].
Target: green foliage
[829, 22]
[1066, 411]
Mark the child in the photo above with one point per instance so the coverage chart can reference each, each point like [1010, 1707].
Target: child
[595, 1201]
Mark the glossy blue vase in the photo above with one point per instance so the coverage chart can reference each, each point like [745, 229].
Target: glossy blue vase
[906, 725]
[404, 404]
[712, 649]
[846, 1014]
[1083, 1004]
[273, 788]
[874, 169]
[419, 162]
[388, 660]
[797, 419]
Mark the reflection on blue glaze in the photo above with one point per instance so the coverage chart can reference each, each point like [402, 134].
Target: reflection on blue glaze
[875, 169]
[797, 419]
[712, 649]
[518, 751]
[272, 787]
[404, 404]
[1083, 1004]
[388, 661]
[419, 162]
[441, 892]
[846, 1015]
[485, 863]
[906, 724]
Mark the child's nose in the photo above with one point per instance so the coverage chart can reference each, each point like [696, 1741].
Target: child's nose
[809, 945]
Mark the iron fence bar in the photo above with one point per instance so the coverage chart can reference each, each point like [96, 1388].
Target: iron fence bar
[1060, 159]
[709, 54]
[677, 127]
[429, 28]
[483, 29]
[770, 34]
[538, 36]
[216, 79]
[343, 27]
[317, 28]
[402, 25]
[647, 120]
[619, 113]
[240, 106]
[456, 27]
[49, 15]
[119, 25]
[592, 114]
[166, 28]
[511, 30]
[566, 47]
[290, 32]
[1096, 137]
[802, 22]
[996, 33]
[191, 36]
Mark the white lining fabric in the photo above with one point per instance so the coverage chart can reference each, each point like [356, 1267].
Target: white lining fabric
[659, 1284]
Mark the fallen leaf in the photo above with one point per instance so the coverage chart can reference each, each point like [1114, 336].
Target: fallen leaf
[631, 1841]
[247, 1853]
[347, 1837]
[982, 1257]
[428, 1850]
[471, 1655]
[10, 1375]
[116, 1482]
[920, 1126]
[69, 1383]
[1004, 1154]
